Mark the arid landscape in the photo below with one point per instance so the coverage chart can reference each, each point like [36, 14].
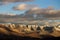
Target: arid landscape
[29, 19]
[21, 32]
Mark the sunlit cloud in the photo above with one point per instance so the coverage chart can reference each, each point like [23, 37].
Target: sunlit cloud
[35, 8]
[47, 12]
[23, 6]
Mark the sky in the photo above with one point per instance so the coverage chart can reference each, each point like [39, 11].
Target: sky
[8, 8]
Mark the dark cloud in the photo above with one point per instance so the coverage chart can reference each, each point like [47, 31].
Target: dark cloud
[15, 0]
[9, 1]
[37, 13]
[48, 12]
[42, 13]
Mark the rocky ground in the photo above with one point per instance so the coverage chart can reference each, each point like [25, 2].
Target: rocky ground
[14, 34]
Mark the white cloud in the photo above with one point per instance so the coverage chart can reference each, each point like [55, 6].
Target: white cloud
[24, 6]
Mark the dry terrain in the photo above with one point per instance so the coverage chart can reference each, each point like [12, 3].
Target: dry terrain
[8, 31]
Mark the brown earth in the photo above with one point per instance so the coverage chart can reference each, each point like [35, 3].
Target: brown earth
[6, 32]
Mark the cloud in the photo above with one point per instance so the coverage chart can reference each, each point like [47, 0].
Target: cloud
[32, 9]
[10, 1]
[52, 11]
[15, 0]
[50, 7]
[38, 10]
[20, 7]
[35, 8]
[23, 6]
[48, 12]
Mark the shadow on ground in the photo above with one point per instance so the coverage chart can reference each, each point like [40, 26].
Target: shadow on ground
[13, 37]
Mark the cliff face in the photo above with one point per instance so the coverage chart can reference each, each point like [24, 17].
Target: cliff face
[34, 31]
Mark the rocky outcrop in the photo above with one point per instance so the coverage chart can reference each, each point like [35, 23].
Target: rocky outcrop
[35, 31]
